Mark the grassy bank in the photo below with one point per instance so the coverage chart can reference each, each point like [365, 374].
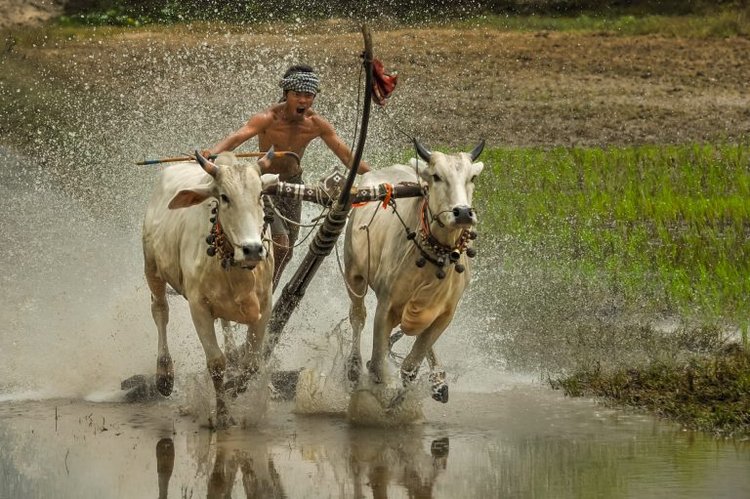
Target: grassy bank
[704, 392]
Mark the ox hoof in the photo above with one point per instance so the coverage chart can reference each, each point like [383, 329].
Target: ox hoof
[164, 384]
[375, 375]
[353, 369]
[408, 377]
[440, 393]
[164, 375]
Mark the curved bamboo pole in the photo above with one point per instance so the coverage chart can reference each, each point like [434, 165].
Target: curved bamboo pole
[333, 225]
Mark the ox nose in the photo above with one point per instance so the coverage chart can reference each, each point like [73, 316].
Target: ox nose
[253, 251]
[464, 215]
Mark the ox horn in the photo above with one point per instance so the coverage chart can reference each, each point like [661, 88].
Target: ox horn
[423, 153]
[209, 167]
[477, 150]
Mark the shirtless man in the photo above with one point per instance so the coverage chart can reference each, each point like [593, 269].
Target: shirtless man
[289, 125]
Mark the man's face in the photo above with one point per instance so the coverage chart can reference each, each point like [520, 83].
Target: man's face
[299, 102]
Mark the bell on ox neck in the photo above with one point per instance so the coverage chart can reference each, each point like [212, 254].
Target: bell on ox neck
[455, 255]
[471, 252]
[211, 251]
[440, 274]
[210, 238]
[411, 235]
[212, 219]
[472, 235]
[421, 262]
[460, 268]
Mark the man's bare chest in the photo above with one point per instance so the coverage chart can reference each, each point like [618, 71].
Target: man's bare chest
[299, 134]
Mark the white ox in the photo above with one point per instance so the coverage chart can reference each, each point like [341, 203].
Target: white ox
[418, 280]
[234, 285]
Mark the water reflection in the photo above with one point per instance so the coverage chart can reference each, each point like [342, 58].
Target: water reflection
[507, 445]
[164, 465]
[375, 462]
[379, 459]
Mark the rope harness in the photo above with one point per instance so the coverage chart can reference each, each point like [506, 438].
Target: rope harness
[433, 251]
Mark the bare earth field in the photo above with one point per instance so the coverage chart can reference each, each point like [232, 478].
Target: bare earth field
[455, 85]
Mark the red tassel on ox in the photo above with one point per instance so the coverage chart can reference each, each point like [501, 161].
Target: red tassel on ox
[383, 83]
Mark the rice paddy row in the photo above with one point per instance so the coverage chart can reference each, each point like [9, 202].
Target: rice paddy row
[665, 224]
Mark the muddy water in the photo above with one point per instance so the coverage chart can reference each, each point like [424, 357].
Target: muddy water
[521, 441]
[76, 321]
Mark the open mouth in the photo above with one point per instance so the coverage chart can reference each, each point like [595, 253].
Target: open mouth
[300, 110]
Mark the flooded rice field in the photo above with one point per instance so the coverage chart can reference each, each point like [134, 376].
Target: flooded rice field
[76, 318]
[518, 441]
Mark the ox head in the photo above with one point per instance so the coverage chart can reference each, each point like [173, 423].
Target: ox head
[450, 178]
[236, 186]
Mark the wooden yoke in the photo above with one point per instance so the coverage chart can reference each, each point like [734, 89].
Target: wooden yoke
[317, 194]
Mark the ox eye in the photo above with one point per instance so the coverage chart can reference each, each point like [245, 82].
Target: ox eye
[224, 199]
[436, 178]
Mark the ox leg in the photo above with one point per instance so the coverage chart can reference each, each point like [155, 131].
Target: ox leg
[230, 347]
[423, 347]
[357, 316]
[437, 377]
[380, 341]
[248, 359]
[160, 313]
[215, 360]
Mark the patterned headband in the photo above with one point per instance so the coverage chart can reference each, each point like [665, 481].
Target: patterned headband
[301, 82]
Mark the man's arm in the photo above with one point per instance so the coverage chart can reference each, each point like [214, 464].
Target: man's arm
[337, 146]
[256, 124]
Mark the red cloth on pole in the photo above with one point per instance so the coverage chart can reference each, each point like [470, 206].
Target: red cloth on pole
[383, 83]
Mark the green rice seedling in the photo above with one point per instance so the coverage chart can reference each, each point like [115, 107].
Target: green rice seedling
[669, 221]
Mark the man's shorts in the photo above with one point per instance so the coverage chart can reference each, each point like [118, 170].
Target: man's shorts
[290, 208]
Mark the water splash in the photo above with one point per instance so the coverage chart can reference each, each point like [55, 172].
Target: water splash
[78, 318]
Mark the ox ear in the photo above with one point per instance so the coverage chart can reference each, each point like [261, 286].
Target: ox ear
[476, 168]
[189, 197]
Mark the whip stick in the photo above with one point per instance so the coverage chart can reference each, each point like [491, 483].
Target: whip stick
[333, 225]
[213, 156]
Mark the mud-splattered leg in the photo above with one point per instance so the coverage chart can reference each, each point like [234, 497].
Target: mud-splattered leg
[215, 360]
[160, 313]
